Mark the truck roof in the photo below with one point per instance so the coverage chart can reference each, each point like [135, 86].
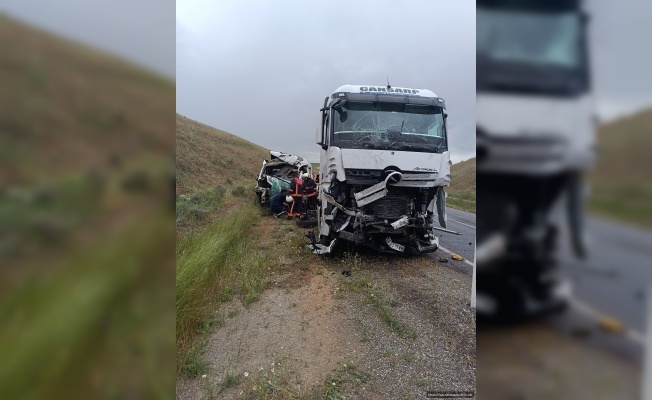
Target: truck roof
[384, 89]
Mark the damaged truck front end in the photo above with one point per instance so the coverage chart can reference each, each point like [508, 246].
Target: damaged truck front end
[383, 168]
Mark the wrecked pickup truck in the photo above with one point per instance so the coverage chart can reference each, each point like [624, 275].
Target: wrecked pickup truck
[274, 176]
[383, 167]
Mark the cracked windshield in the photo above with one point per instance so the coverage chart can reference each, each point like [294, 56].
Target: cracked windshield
[531, 39]
[390, 126]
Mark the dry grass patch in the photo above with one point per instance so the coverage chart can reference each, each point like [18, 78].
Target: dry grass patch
[461, 193]
[621, 187]
[86, 167]
[208, 157]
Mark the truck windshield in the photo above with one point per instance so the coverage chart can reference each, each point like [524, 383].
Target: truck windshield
[530, 51]
[389, 126]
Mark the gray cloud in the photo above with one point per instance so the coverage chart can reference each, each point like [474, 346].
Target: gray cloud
[261, 70]
[140, 31]
[621, 61]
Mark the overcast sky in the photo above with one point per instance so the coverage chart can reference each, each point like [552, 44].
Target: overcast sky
[622, 62]
[141, 31]
[261, 69]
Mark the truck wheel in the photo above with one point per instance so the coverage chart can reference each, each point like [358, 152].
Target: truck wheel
[259, 198]
[306, 223]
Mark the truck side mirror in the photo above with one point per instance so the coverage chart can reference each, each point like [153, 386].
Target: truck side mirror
[319, 136]
[320, 139]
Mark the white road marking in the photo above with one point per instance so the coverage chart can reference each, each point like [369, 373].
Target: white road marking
[586, 309]
[460, 222]
[636, 336]
[450, 252]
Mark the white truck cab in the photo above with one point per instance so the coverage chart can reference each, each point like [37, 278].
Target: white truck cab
[384, 163]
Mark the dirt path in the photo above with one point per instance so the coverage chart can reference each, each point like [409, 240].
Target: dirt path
[290, 337]
[393, 328]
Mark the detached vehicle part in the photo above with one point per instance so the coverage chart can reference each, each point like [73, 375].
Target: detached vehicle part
[274, 176]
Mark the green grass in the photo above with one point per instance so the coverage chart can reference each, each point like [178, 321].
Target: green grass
[348, 378]
[66, 106]
[280, 381]
[46, 214]
[218, 256]
[363, 284]
[86, 236]
[95, 325]
[207, 157]
[194, 364]
[230, 380]
[461, 193]
[460, 204]
[620, 184]
[625, 201]
[196, 208]
[213, 266]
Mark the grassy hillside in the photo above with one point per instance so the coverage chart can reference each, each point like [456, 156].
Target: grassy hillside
[66, 107]
[86, 238]
[461, 193]
[621, 185]
[208, 157]
[218, 253]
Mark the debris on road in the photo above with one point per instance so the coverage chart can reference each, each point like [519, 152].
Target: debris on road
[611, 325]
[457, 258]
[443, 260]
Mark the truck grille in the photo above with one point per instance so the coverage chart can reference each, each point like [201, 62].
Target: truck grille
[389, 206]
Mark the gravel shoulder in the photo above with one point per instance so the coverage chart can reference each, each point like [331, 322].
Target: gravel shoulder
[392, 327]
[534, 361]
[436, 351]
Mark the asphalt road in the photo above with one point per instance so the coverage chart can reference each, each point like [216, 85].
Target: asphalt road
[585, 360]
[611, 283]
[463, 245]
[614, 278]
